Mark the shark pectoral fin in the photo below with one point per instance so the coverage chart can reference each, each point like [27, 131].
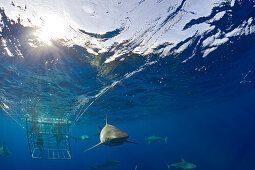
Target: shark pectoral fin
[128, 141]
[100, 127]
[94, 146]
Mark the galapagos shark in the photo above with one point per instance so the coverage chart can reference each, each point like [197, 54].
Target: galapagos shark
[111, 136]
[183, 164]
[106, 164]
[156, 138]
[4, 151]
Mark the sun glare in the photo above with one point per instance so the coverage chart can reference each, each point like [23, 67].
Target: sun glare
[53, 27]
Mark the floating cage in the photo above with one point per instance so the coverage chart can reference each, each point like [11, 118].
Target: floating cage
[48, 138]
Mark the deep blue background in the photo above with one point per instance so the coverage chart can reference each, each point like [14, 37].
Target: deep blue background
[207, 114]
[218, 136]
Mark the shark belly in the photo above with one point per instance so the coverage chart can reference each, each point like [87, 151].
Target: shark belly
[115, 142]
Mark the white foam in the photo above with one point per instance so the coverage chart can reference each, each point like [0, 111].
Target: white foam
[142, 23]
[218, 16]
[208, 51]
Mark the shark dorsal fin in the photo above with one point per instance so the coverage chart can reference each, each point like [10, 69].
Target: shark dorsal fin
[106, 122]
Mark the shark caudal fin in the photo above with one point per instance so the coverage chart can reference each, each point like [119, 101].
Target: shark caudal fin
[93, 146]
[168, 166]
[166, 139]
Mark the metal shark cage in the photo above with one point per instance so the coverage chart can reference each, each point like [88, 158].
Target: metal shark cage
[48, 138]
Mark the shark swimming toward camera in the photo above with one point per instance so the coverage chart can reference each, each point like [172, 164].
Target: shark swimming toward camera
[183, 164]
[112, 136]
[156, 138]
[4, 151]
[106, 164]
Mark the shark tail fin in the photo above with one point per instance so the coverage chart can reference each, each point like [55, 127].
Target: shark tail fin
[93, 146]
[169, 166]
[166, 139]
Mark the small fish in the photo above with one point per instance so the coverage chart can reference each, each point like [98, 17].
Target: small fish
[183, 164]
[156, 138]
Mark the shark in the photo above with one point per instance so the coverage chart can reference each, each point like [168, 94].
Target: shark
[156, 138]
[82, 137]
[4, 151]
[183, 164]
[107, 163]
[111, 136]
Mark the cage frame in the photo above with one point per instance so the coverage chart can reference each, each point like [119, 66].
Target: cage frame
[49, 121]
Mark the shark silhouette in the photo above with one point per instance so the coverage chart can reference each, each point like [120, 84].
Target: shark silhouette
[4, 151]
[107, 163]
[112, 136]
[183, 164]
[83, 137]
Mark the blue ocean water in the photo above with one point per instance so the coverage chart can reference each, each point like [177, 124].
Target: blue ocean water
[204, 106]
